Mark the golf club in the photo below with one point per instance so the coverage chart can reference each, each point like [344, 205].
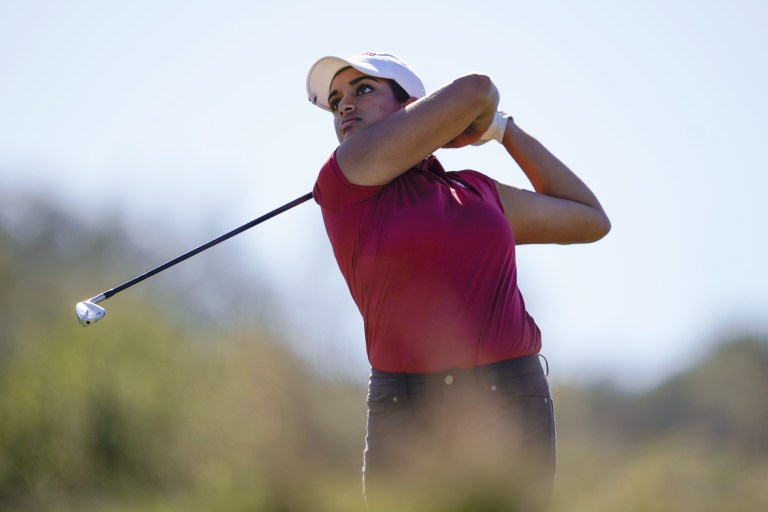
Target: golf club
[89, 313]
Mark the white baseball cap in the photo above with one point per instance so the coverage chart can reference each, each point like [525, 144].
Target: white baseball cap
[380, 65]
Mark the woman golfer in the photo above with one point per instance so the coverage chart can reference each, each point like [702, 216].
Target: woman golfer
[459, 408]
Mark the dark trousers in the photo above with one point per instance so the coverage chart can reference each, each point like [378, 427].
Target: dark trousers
[481, 439]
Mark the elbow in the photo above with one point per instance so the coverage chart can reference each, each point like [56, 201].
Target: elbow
[480, 81]
[483, 82]
[481, 88]
[592, 228]
[601, 226]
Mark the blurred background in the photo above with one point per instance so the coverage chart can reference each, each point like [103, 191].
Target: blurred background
[133, 132]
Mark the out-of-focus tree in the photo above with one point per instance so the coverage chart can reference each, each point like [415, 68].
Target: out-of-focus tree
[695, 442]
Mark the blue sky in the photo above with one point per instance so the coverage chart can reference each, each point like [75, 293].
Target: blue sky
[193, 116]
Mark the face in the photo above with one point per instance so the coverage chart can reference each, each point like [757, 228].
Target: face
[358, 101]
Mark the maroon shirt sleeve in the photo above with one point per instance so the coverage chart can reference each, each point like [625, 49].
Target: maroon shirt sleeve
[334, 191]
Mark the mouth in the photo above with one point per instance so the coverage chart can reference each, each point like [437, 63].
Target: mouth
[347, 123]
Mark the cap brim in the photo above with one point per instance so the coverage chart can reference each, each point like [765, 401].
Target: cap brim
[320, 77]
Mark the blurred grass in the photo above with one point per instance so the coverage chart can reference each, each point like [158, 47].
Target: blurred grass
[145, 416]
[154, 411]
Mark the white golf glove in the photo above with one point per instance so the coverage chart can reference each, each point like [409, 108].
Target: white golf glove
[496, 130]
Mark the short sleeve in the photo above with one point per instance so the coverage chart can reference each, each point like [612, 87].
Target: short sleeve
[334, 191]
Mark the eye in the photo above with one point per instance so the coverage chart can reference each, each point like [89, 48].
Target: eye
[363, 89]
[360, 90]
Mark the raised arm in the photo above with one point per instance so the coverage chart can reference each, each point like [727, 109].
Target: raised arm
[453, 116]
[562, 210]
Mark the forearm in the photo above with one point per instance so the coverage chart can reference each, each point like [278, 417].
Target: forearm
[547, 174]
[459, 111]
[563, 209]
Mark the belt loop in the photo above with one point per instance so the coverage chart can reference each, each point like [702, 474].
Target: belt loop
[546, 373]
[404, 391]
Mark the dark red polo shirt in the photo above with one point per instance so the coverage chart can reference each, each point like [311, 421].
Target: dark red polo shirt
[430, 261]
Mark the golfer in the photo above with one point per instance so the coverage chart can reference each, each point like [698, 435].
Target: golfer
[459, 408]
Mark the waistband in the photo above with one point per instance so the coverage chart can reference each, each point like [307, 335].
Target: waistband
[477, 373]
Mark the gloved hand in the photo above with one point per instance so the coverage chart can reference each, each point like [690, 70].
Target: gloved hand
[496, 130]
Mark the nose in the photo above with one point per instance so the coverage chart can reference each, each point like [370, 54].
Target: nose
[346, 105]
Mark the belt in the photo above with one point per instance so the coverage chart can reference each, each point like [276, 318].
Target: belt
[482, 373]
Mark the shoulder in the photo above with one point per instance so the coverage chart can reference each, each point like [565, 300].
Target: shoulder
[333, 189]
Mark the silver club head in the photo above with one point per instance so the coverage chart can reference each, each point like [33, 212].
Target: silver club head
[89, 313]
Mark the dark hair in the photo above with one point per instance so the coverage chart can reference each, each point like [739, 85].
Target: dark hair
[400, 95]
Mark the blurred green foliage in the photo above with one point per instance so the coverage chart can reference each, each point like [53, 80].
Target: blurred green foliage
[155, 410]
[696, 442]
